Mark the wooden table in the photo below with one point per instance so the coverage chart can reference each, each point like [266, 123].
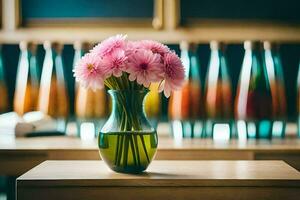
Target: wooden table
[21, 154]
[163, 180]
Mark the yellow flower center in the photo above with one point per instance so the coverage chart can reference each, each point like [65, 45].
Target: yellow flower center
[90, 66]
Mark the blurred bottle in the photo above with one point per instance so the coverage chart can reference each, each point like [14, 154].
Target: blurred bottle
[298, 99]
[153, 104]
[27, 82]
[90, 106]
[253, 105]
[53, 96]
[273, 64]
[218, 95]
[185, 106]
[3, 87]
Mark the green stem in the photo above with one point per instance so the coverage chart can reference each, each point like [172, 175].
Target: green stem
[144, 147]
[121, 150]
[129, 108]
[117, 150]
[132, 149]
[125, 156]
[137, 149]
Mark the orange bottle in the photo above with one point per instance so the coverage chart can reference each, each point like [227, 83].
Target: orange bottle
[218, 95]
[53, 96]
[27, 81]
[185, 106]
[153, 104]
[90, 106]
[3, 88]
[298, 100]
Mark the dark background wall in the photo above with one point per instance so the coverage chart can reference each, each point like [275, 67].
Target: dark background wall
[275, 10]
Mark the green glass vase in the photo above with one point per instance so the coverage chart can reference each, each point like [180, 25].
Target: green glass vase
[127, 142]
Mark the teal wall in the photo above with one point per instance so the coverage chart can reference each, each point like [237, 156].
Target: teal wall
[32, 9]
[275, 10]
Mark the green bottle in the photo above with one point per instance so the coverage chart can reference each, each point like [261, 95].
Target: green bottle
[253, 105]
[272, 62]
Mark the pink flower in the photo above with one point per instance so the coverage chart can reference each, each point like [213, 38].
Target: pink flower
[173, 74]
[131, 47]
[145, 67]
[109, 45]
[88, 72]
[154, 46]
[115, 63]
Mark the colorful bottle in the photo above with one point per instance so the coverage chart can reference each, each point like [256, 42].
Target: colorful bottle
[90, 106]
[253, 105]
[3, 87]
[298, 99]
[27, 81]
[153, 104]
[185, 106]
[218, 95]
[53, 96]
[273, 64]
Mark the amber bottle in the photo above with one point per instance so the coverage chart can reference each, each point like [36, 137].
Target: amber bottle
[153, 104]
[185, 105]
[218, 95]
[298, 99]
[27, 81]
[3, 87]
[90, 106]
[53, 96]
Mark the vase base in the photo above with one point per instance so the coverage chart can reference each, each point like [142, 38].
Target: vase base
[128, 169]
[127, 152]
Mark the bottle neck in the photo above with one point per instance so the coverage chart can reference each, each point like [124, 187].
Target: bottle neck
[191, 64]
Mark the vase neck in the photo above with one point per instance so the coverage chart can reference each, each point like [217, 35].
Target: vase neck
[128, 110]
[128, 101]
[127, 113]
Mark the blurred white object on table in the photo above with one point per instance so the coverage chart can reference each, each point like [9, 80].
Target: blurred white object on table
[11, 123]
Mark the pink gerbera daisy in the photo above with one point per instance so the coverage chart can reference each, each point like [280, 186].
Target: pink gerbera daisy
[145, 67]
[115, 63]
[109, 45]
[154, 46]
[131, 47]
[173, 74]
[88, 72]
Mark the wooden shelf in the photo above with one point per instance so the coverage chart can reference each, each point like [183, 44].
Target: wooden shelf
[231, 32]
[166, 28]
[21, 154]
[162, 180]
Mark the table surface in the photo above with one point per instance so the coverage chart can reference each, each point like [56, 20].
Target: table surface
[163, 173]
[17, 155]
[165, 143]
